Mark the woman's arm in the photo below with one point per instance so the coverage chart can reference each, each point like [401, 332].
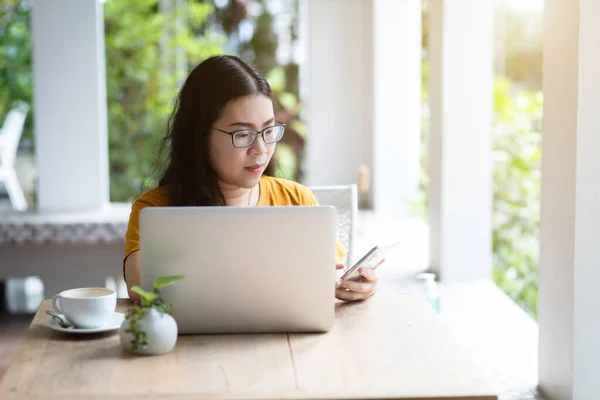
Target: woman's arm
[131, 267]
[132, 274]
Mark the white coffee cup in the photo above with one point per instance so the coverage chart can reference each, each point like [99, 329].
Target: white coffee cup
[86, 307]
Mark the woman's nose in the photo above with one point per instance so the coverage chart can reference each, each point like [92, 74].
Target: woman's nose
[259, 146]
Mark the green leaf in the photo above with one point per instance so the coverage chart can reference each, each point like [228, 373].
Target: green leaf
[166, 280]
[147, 297]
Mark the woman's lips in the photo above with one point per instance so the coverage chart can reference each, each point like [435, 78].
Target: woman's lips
[256, 168]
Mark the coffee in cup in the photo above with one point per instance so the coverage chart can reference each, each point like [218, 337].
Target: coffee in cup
[86, 307]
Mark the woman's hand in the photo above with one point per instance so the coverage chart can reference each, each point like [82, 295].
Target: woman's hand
[361, 290]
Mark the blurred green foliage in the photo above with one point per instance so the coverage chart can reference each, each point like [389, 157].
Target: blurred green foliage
[517, 178]
[16, 78]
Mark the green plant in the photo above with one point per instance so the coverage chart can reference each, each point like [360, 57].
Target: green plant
[148, 300]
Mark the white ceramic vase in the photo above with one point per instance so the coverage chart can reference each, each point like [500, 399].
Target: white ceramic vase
[161, 333]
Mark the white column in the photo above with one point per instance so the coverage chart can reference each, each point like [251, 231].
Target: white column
[569, 264]
[70, 104]
[460, 167]
[363, 95]
[338, 95]
[396, 102]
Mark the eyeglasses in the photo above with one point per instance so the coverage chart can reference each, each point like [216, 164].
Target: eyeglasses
[245, 137]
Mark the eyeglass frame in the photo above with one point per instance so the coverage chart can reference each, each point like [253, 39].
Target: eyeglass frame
[257, 133]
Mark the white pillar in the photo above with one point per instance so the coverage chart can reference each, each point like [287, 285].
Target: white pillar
[396, 102]
[363, 95]
[569, 264]
[70, 104]
[460, 167]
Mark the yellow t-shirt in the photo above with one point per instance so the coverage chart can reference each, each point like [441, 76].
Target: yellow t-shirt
[273, 192]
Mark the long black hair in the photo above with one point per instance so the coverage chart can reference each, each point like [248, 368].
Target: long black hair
[188, 176]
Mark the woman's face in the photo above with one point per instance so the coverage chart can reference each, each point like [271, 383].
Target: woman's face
[242, 167]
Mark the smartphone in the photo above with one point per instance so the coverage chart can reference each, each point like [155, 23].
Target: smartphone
[374, 258]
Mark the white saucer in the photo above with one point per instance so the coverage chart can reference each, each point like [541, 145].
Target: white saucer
[113, 323]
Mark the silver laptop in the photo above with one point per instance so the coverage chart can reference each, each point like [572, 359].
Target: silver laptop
[247, 270]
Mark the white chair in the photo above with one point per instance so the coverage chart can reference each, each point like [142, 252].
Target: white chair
[10, 135]
[345, 199]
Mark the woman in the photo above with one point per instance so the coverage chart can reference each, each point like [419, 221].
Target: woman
[222, 135]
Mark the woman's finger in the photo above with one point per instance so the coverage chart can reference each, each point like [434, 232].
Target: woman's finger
[369, 275]
[347, 295]
[361, 287]
[340, 266]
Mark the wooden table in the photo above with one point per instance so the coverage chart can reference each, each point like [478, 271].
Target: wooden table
[391, 346]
